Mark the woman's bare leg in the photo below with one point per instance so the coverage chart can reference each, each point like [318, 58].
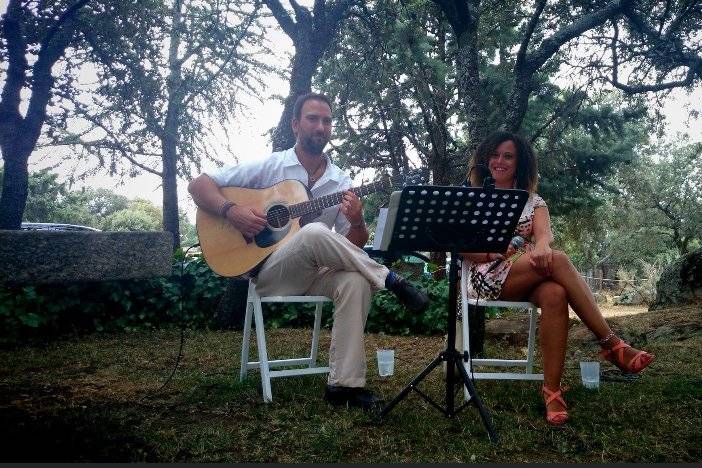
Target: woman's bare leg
[579, 295]
[523, 279]
[552, 298]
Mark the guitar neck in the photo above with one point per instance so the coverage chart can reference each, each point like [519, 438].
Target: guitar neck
[317, 204]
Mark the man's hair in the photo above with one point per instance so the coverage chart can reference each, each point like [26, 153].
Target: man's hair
[302, 99]
[526, 176]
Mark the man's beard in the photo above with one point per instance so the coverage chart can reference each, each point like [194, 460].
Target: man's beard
[309, 144]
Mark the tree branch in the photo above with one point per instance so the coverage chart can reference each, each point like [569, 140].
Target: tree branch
[116, 145]
[533, 21]
[281, 15]
[550, 46]
[62, 19]
[233, 50]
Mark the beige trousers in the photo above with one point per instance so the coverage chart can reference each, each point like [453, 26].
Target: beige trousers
[319, 262]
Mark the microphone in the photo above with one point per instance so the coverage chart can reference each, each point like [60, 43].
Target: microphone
[482, 170]
[517, 242]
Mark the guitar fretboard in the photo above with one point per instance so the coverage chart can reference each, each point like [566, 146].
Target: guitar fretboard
[326, 201]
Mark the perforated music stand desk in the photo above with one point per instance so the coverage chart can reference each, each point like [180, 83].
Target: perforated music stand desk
[451, 219]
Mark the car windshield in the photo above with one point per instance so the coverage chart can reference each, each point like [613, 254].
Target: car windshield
[55, 227]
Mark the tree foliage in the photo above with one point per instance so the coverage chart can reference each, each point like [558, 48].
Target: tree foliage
[51, 201]
[168, 80]
[652, 218]
[395, 75]
[664, 189]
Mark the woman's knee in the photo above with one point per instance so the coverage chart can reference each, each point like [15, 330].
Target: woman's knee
[551, 296]
[561, 259]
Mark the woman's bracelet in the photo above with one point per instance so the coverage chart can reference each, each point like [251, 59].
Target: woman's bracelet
[225, 208]
[359, 225]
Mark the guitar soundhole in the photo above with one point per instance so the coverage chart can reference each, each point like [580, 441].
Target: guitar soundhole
[278, 216]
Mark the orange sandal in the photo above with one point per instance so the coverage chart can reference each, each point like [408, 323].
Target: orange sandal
[554, 418]
[636, 364]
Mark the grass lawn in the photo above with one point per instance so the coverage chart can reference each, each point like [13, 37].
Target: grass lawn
[95, 399]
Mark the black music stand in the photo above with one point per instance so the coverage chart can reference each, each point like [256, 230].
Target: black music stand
[451, 219]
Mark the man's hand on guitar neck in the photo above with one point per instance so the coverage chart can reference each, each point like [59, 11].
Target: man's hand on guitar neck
[352, 208]
[247, 220]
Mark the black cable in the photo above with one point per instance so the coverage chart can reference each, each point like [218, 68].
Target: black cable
[182, 320]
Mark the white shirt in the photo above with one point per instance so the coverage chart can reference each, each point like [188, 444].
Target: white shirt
[284, 165]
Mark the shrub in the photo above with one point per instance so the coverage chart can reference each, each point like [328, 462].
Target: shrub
[50, 310]
[386, 314]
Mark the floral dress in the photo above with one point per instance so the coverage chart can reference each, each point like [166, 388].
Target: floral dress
[489, 285]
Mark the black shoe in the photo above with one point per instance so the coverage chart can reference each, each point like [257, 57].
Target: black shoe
[409, 296]
[352, 396]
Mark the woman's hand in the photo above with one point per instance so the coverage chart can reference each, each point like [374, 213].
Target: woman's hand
[541, 258]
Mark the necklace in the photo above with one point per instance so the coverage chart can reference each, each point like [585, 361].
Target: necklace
[311, 176]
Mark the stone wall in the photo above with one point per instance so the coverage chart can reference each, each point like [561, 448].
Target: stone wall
[35, 257]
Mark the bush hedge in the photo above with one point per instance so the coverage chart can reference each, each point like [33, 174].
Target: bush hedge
[47, 311]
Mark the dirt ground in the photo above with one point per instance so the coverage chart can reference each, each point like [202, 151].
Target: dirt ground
[610, 310]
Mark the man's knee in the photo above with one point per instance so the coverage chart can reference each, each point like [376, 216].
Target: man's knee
[354, 285]
[314, 231]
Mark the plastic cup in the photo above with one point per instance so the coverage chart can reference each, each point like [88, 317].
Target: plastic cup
[590, 373]
[386, 362]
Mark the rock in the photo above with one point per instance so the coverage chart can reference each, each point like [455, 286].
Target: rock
[32, 257]
[600, 298]
[680, 282]
[628, 298]
[514, 330]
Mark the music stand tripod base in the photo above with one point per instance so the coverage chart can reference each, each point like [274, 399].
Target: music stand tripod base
[451, 219]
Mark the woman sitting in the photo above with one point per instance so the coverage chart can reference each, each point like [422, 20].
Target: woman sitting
[535, 272]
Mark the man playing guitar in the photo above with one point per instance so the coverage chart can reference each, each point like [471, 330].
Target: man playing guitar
[316, 260]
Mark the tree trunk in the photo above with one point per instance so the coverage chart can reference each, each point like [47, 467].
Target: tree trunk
[464, 17]
[304, 66]
[518, 101]
[18, 136]
[14, 188]
[171, 130]
[171, 222]
[311, 33]
[476, 316]
[232, 308]
[469, 89]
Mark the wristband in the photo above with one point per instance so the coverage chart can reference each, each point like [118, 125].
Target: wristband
[359, 225]
[225, 208]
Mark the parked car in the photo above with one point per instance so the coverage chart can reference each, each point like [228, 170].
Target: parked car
[55, 227]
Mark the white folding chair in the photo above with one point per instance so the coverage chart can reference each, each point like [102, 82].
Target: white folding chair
[528, 363]
[255, 309]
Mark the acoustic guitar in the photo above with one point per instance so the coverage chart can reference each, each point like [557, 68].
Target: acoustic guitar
[286, 204]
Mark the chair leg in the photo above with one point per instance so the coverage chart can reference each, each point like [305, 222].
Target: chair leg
[246, 340]
[465, 323]
[262, 353]
[315, 334]
[531, 340]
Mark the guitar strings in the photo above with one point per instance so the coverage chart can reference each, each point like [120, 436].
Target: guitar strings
[278, 214]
